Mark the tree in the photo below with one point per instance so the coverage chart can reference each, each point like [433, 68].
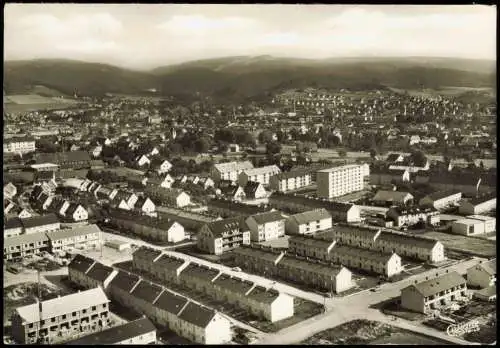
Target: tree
[273, 148]
[202, 145]
[373, 153]
[342, 153]
[265, 136]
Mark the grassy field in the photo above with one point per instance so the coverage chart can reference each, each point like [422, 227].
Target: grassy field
[474, 246]
[361, 332]
[32, 102]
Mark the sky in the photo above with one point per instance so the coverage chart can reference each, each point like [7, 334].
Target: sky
[144, 36]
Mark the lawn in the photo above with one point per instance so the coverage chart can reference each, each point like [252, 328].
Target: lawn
[361, 332]
[474, 246]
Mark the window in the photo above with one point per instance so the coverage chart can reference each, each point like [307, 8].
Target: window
[42, 322]
[30, 325]
[64, 316]
[84, 311]
[94, 308]
[74, 314]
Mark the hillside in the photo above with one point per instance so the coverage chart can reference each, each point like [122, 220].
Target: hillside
[243, 77]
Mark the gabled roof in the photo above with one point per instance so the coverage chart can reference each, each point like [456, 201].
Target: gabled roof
[489, 267]
[311, 215]
[72, 208]
[391, 196]
[219, 227]
[99, 272]
[435, 196]
[59, 157]
[124, 281]
[62, 305]
[171, 302]
[73, 232]
[41, 220]
[197, 315]
[146, 253]
[263, 295]
[233, 284]
[482, 199]
[267, 217]
[272, 169]
[12, 223]
[200, 271]
[147, 291]
[233, 166]
[81, 263]
[168, 262]
[434, 286]
[117, 334]
[251, 187]
[252, 252]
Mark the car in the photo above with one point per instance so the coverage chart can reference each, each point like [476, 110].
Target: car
[236, 269]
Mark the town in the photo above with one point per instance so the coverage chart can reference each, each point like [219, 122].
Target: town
[304, 216]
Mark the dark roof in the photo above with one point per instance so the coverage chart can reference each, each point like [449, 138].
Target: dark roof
[233, 284]
[222, 226]
[392, 157]
[268, 217]
[263, 295]
[12, 223]
[169, 262]
[482, 199]
[147, 254]
[197, 315]
[116, 334]
[438, 284]
[42, 220]
[200, 271]
[170, 302]
[147, 291]
[237, 207]
[60, 157]
[99, 272]
[251, 187]
[124, 281]
[442, 194]
[81, 263]
[71, 209]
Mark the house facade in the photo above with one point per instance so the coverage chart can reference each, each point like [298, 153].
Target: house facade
[309, 222]
[223, 235]
[266, 226]
[290, 181]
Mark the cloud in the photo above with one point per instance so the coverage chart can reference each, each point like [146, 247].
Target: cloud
[280, 39]
[201, 25]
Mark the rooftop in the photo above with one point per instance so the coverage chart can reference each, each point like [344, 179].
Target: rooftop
[99, 272]
[267, 217]
[147, 291]
[200, 271]
[309, 216]
[443, 282]
[73, 232]
[41, 220]
[81, 263]
[124, 281]
[170, 302]
[233, 166]
[197, 315]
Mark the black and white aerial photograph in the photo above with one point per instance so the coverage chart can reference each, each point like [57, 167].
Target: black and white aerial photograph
[249, 174]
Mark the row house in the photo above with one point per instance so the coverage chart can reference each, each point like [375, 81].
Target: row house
[78, 237]
[140, 332]
[190, 220]
[88, 273]
[266, 226]
[220, 236]
[431, 294]
[441, 199]
[31, 225]
[173, 197]
[342, 212]
[261, 175]
[410, 216]
[309, 222]
[405, 245]
[159, 229]
[62, 318]
[478, 205]
[385, 264]
[229, 171]
[290, 181]
[17, 247]
[226, 208]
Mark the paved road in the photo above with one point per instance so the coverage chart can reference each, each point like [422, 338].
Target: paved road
[356, 306]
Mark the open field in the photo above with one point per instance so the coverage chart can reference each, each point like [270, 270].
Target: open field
[358, 332]
[470, 245]
[32, 102]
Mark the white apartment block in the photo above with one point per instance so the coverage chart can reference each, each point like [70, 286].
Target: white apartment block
[309, 222]
[339, 181]
[229, 171]
[261, 175]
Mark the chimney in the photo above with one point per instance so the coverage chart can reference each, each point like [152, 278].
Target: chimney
[437, 274]
[416, 281]
[447, 271]
[426, 278]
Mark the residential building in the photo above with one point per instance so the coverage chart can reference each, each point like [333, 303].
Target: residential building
[342, 212]
[474, 225]
[190, 220]
[17, 247]
[120, 287]
[42, 223]
[431, 294]
[254, 190]
[229, 171]
[142, 160]
[488, 294]
[233, 192]
[219, 236]
[62, 318]
[76, 213]
[331, 278]
[164, 167]
[483, 275]
[266, 226]
[174, 197]
[78, 237]
[226, 208]
[19, 145]
[405, 245]
[441, 199]
[261, 175]
[403, 216]
[260, 260]
[339, 181]
[490, 223]
[392, 198]
[140, 332]
[290, 181]
[77, 269]
[160, 229]
[145, 205]
[97, 274]
[12, 227]
[478, 205]
[309, 222]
